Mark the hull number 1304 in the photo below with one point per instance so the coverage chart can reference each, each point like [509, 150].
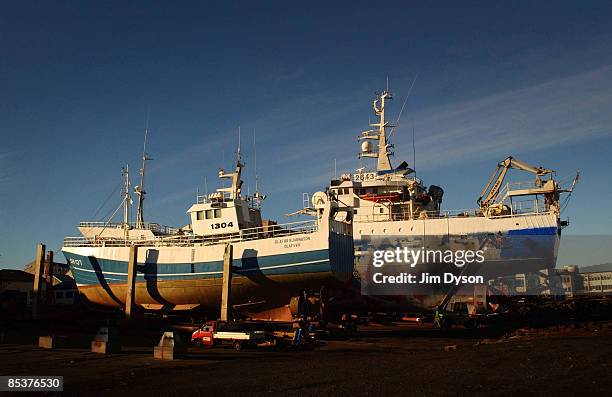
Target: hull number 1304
[221, 225]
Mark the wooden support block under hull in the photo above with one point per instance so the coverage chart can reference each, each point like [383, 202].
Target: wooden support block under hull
[131, 282]
[53, 342]
[38, 277]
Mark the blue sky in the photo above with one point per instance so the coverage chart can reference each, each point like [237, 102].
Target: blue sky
[529, 79]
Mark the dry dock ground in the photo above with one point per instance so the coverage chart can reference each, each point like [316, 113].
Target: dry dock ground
[399, 360]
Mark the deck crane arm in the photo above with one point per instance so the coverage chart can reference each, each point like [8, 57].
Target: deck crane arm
[490, 192]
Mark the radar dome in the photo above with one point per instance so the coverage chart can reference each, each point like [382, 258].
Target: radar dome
[366, 147]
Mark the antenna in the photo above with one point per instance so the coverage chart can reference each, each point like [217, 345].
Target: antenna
[387, 84]
[258, 196]
[335, 170]
[223, 167]
[238, 143]
[255, 164]
[413, 150]
[139, 190]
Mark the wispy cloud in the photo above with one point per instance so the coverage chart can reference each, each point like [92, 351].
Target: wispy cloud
[557, 112]
[561, 111]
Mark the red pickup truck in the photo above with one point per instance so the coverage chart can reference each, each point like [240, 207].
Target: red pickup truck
[214, 333]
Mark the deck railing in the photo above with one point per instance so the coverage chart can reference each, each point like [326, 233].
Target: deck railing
[518, 209]
[156, 228]
[268, 231]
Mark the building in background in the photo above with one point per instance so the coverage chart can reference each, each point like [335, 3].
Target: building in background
[568, 281]
[597, 282]
[15, 289]
[65, 290]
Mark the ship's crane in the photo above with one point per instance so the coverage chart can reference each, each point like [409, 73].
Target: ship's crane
[491, 191]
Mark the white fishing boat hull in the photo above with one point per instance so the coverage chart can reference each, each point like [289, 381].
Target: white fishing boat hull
[172, 276]
[511, 245]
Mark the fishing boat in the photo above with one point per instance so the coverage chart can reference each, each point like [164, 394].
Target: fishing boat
[517, 226]
[181, 268]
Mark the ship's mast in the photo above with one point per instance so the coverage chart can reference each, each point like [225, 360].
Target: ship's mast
[255, 168]
[257, 196]
[127, 199]
[139, 190]
[379, 134]
[235, 176]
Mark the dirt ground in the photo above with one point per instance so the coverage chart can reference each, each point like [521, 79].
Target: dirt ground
[380, 361]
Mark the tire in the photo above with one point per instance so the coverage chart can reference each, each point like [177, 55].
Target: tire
[238, 345]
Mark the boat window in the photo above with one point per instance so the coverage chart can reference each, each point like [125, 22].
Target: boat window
[200, 215]
[209, 214]
[217, 213]
[355, 211]
[381, 210]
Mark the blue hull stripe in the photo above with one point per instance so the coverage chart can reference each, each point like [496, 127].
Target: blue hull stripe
[534, 231]
[209, 273]
[114, 271]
